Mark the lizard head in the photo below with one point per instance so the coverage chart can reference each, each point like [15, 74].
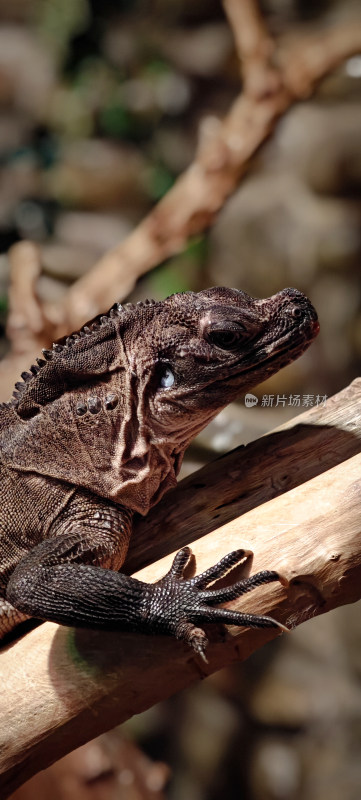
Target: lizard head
[113, 407]
[215, 345]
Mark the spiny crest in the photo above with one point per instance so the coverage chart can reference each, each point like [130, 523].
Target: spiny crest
[53, 374]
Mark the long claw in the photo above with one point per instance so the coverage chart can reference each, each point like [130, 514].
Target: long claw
[229, 617]
[280, 625]
[195, 637]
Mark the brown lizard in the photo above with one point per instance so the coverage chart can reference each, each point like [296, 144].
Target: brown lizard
[97, 431]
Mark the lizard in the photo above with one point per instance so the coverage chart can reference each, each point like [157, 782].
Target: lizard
[96, 431]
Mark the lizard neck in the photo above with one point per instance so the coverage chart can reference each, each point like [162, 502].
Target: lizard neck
[132, 470]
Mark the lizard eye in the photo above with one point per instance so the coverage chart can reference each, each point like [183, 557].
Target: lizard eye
[226, 338]
[166, 378]
[296, 312]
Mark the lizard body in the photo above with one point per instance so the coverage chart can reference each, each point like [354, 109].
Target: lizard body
[97, 431]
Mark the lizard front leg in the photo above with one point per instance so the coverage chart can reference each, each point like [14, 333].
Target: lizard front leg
[61, 580]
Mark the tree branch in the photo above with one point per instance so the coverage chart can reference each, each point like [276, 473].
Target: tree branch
[73, 685]
[276, 74]
[224, 153]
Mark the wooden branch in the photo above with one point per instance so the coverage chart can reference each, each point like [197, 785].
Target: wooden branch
[255, 48]
[25, 317]
[62, 687]
[27, 327]
[306, 446]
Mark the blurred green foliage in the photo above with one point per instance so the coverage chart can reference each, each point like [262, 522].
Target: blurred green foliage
[60, 20]
[182, 272]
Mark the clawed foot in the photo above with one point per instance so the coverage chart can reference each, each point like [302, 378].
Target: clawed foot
[186, 603]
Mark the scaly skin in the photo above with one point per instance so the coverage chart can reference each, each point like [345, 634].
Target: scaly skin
[97, 430]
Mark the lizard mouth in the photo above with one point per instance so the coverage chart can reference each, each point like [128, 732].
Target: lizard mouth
[285, 351]
[301, 344]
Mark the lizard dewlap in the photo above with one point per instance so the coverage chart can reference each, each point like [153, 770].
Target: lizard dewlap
[96, 431]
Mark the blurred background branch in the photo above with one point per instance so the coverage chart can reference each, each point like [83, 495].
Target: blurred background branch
[271, 85]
